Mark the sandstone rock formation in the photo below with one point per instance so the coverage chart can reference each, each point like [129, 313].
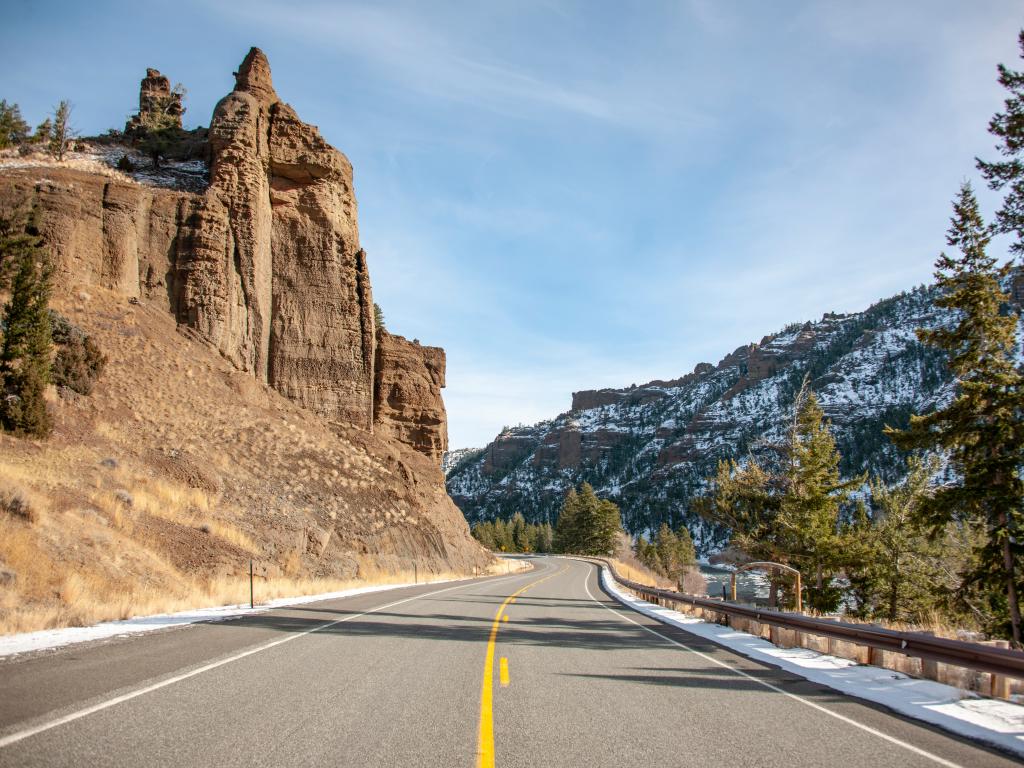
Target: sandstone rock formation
[409, 378]
[155, 95]
[265, 265]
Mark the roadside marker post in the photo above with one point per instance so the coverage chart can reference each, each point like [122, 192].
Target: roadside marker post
[252, 603]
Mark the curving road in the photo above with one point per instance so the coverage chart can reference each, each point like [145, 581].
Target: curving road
[535, 669]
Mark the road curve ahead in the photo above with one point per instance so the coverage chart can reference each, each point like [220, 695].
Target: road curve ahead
[534, 669]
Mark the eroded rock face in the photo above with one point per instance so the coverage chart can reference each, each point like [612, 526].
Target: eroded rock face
[409, 407]
[265, 265]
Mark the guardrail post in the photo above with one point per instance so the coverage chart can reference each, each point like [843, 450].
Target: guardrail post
[999, 687]
[929, 668]
[876, 657]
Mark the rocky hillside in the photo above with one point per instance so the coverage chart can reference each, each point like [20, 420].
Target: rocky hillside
[245, 367]
[651, 447]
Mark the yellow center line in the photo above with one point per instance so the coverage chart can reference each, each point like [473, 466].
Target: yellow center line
[503, 672]
[485, 749]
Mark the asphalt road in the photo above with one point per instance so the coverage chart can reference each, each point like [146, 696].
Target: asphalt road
[437, 676]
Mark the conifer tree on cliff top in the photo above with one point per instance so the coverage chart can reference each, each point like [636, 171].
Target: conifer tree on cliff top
[982, 430]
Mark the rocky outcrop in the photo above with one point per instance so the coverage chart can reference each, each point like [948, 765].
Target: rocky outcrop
[109, 233]
[156, 102]
[409, 378]
[265, 265]
[282, 287]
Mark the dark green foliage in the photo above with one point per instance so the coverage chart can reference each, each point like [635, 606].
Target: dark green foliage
[788, 508]
[514, 535]
[13, 129]
[378, 317]
[42, 132]
[586, 524]
[982, 430]
[905, 575]
[669, 553]
[79, 362]
[1008, 174]
[27, 347]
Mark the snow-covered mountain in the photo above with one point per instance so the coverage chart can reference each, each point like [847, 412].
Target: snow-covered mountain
[651, 447]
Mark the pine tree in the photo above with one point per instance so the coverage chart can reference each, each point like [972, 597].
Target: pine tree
[982, 430]
[25, 356]
[378, 317]
[809, 519]
[42, 133]
[903, 572]
[566, 533]
[13, 129]
[1008, 174]
[61, 132]
[586, 524]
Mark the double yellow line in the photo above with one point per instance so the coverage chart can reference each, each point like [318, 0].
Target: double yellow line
[485, 750]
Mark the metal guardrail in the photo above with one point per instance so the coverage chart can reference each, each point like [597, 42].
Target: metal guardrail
[984, 658]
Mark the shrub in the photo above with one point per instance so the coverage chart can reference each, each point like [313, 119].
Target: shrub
[79, 361]
[16, 504]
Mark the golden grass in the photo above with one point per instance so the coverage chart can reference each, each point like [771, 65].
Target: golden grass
[86, 600]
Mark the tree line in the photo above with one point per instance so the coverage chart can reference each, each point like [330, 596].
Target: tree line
[948, 538]
[54, 134]
[589, 525]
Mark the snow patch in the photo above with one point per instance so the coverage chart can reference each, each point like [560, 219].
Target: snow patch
[27, 642]
[993, 721]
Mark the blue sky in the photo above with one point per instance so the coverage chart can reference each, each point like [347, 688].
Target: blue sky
[572, 195]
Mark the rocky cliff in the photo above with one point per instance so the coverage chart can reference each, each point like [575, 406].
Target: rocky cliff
[651, 447]
[250, 408]
[407, 394]
[265, 264]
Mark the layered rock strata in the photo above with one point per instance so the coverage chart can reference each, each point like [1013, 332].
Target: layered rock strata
[265, 265]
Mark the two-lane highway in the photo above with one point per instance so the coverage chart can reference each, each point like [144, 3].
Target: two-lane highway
[535, 669]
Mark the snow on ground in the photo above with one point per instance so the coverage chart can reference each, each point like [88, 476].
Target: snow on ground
[56, 638]
[994, 721]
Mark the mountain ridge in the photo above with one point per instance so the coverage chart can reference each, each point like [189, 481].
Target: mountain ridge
[651, 447]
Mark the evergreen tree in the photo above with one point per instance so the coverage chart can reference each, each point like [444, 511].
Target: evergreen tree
[13, 129]
[27, 346]
[567, 538]
[378, 316]
[586, 524]
[809, 510]
[42, 133]
[746, 500]
[61, 132]
[901, 576]
[982, 430]
[1008, 174]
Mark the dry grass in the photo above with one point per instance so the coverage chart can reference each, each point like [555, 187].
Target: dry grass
[155, 491]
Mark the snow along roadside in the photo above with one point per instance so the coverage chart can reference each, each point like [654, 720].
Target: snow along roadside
[45, 639]
[994, 721]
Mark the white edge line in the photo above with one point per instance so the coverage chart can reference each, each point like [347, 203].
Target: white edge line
[13, 738]
[759, 681]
